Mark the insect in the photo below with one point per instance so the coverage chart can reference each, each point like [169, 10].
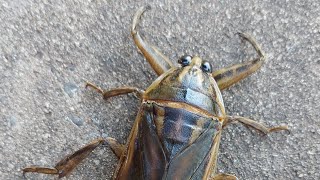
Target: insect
[177, 131]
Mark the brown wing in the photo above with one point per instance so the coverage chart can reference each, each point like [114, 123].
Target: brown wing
[179, 146]
[192, 162]
[144, 157]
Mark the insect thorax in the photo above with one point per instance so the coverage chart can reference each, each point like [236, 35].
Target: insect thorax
[194, 88]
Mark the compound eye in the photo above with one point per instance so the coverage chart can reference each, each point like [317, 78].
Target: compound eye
[185, 60]
[206, 67]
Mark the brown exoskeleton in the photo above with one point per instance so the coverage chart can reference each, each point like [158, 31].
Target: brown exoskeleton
[176, 134]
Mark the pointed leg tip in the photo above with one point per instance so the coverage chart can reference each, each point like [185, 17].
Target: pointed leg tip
[88, 84]
[147, 7]
[141, 10]
[286, 128]
[243, 35]
[137, 17]
[281, 128]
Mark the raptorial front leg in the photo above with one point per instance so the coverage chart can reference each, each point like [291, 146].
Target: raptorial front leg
[159, 62]
[226, 77]
[68, 163]
[117, 91]
[256, 125]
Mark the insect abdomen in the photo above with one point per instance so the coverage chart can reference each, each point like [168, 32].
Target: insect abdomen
[164, 139]
[187, 139]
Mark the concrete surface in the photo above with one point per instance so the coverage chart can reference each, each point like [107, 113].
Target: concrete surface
[48, 49]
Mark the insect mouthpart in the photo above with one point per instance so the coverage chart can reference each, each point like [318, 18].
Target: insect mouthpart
[194, 69]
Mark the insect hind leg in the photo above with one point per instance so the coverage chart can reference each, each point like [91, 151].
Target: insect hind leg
[223, 176]
[115, 146]
[68, 163]
[65, 166]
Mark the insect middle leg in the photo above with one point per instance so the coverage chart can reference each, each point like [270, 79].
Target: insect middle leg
[117, 91]
[116, 147]
[226, 77]
[256, 125]
[159, 62]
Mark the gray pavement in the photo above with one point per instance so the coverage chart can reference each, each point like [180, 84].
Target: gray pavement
[48, 49]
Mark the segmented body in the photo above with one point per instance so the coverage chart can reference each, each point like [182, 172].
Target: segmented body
[177, 131]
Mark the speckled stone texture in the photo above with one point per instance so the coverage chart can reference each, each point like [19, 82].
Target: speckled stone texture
[48, 49]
